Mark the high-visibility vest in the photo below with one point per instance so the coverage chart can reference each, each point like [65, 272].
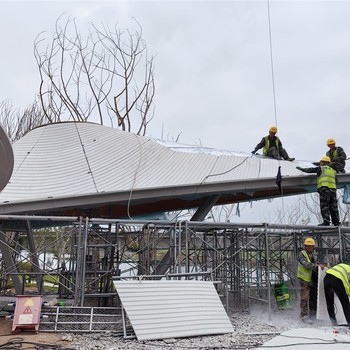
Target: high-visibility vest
[304, 273]
[267, 144]
[327, 178]
[341, 271]
[333, 154]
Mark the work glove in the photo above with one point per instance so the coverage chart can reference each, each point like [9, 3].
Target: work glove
[299, 168]
[253, 152]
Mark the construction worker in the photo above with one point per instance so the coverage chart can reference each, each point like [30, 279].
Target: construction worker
[272, 146]
[327, 189]
[337, 156]
[337, 281]
[308, 278]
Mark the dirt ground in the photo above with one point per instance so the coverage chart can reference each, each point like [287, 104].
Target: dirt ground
[29, 336]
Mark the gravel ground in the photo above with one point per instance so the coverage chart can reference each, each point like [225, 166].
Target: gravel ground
[250, 331]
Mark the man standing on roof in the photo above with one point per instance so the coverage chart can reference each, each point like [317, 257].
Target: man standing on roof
[337, 281]
[308, 277]
[327, 189]
[272, 146]
[337, 156]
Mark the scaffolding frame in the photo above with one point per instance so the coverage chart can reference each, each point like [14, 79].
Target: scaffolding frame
[244, 260]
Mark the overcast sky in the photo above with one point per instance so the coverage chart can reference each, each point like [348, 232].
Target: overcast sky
[213, 66]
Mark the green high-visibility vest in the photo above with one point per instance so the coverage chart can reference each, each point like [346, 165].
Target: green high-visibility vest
[341, 271]
[327, 178]
[304, 273]
[267, 144]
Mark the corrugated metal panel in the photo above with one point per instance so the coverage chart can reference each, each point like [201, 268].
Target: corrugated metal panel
[68, 159]
[171, 309]
[80, 164]
[6, 159]
[309, 339]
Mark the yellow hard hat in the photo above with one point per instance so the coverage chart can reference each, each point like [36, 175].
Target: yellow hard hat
[325, 159]
[273, 129]
[309, 241]
[330, 142]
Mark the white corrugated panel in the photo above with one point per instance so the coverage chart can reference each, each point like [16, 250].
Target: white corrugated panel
[78, 159]
[6, 159]
[173, 308]
[309, 339]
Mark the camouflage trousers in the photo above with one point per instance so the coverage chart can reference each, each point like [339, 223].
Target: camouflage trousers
[308, 299]
[277, 154]
[338, 167]
[329, 205]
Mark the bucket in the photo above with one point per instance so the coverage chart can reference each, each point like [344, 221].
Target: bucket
[282, 295]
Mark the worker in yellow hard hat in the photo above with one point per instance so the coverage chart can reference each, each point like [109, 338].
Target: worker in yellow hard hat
[327, 189]
[337, 156]
[272, 146]
[337, 281]
[308, 278]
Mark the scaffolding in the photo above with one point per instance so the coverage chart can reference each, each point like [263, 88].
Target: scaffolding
[244, 260]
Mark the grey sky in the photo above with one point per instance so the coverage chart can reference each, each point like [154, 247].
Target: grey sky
[212, 66]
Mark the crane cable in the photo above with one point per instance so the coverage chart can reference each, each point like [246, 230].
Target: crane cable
[271, 61]
[278, 177]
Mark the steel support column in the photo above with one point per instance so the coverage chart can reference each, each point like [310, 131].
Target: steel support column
[10, 264]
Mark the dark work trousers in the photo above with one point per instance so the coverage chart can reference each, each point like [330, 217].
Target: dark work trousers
[333, 285]
[329, 205]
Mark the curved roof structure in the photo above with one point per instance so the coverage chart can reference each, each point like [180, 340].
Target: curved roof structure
[84, 168]
[6, 159]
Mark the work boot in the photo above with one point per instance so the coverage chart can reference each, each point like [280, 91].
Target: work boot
[291, 159]
[334, 322]
[306, 319]
[324, 224]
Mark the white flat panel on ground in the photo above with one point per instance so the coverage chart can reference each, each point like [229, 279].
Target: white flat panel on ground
[172, 309]
[322, 313]
[309, 339]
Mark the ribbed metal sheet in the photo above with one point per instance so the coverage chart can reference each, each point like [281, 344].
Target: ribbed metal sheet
[6, 159]
[172, 309]
[74, 159]
[309, 339]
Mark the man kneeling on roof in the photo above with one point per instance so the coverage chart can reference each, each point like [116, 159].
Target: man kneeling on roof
[337, 156]
[272, 146]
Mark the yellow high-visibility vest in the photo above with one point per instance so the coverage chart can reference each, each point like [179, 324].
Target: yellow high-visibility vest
[327, 178]
[341, 271]
[267, 144]
[304, 273]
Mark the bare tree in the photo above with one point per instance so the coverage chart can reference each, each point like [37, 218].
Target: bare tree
[106, 76]
[17, 123]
